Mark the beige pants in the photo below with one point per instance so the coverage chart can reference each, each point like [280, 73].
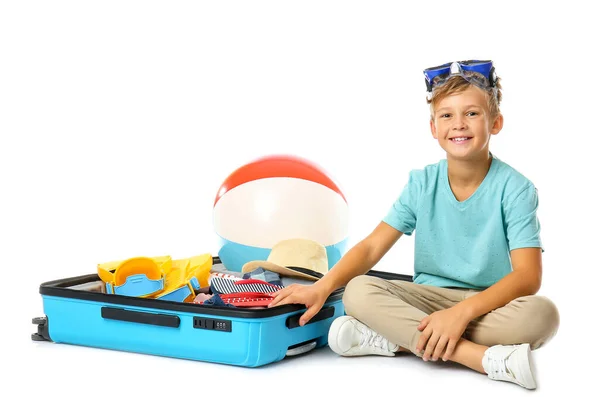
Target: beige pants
[394, 309]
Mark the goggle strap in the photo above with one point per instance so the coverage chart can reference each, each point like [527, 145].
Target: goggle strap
[429, 87]
[491, 78]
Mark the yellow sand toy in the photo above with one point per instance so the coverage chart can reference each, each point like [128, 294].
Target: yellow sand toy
[157, 277]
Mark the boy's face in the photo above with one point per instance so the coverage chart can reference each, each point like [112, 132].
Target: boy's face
[463, 126]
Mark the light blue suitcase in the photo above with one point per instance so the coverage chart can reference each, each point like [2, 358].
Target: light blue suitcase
[235, 336]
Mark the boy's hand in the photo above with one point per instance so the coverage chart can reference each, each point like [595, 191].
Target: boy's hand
[441, 331]
[311, 296]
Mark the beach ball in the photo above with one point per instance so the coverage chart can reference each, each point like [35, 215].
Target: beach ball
[275, 198]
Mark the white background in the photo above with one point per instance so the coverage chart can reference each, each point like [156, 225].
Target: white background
[120, 119]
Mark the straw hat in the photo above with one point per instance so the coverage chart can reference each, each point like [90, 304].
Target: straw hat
[301, 258]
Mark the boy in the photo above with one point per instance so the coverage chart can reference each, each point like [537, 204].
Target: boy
[478, 251]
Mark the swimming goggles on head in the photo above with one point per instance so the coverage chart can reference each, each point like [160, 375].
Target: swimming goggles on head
[479, 73]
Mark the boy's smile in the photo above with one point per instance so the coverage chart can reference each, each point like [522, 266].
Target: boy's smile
[462, 124]
[461, 139]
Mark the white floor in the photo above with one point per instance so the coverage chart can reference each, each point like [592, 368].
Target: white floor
[75, 371]
[70, 370]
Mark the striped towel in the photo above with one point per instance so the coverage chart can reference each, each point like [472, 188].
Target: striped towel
[223, 275]
[229, 286]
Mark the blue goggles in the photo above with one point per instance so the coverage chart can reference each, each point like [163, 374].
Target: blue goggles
[479, 73]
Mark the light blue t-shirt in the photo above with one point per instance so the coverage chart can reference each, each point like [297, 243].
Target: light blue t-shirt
[466, 244]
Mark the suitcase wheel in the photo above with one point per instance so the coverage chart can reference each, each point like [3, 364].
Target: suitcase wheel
[42, 335]
[302, 348]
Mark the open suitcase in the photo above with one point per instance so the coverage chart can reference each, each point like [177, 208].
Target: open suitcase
[235, 336]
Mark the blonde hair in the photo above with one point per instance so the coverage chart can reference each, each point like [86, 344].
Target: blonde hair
[456, 84]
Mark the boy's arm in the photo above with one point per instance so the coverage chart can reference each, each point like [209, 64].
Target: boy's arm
[361, 258]
[525, 279]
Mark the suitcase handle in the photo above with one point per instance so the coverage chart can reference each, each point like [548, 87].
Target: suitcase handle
[294, 321]
[163, 320]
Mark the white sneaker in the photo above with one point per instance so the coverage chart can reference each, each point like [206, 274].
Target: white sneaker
[512, 363]
[350, 337]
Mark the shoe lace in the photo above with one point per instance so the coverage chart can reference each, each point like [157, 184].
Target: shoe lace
[371, 338]
[499, 368]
